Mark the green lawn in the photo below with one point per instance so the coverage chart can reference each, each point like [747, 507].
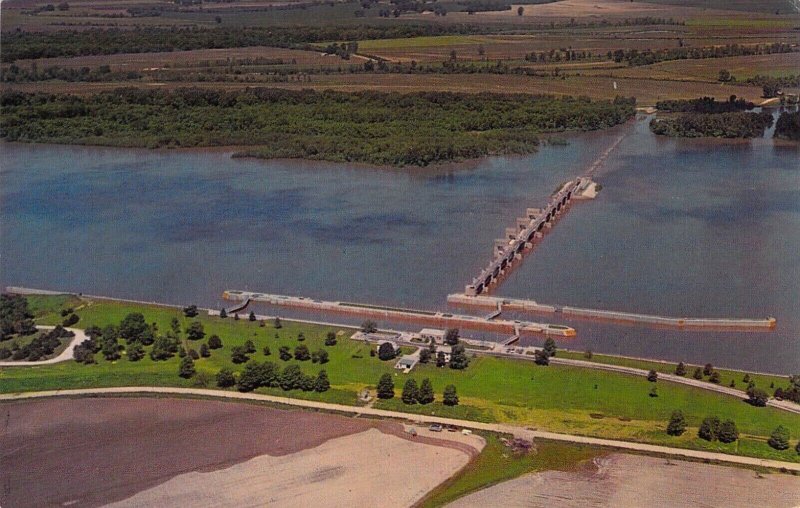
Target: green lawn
[555, 398]
[497, 463]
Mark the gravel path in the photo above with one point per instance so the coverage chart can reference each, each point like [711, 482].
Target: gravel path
[63, 357]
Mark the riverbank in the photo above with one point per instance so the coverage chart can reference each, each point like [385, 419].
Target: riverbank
[591, 403]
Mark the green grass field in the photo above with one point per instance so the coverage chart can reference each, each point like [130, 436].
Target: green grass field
[555, 398]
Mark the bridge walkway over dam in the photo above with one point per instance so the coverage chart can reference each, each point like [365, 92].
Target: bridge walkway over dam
[519, 240]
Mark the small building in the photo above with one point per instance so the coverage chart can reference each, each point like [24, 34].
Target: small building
[432, 335]
[406, 363]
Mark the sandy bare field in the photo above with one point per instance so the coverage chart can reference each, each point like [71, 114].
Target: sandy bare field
[620, 480]
[89, 452]
[365, 469]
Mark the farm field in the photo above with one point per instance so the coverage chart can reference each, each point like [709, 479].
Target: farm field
[647, 91]
[562, 399]
[197, 445]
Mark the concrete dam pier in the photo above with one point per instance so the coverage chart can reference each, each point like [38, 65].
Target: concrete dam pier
[519, 240]
[499, 304]
[422, 317]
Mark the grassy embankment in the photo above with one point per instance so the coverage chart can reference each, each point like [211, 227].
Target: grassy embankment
[555, 398]
[497, 463]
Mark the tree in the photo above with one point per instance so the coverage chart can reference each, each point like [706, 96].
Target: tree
[291, 378]
[386, 351]
[251, 377]
[770, 90]
[214, 342]
[520, 10]
[223, 313]
[369, 326]
[677, 423]
[301, 353]
[266, 350]
[225, 378]
[779, 439]
[757, 397]
[709, 429]
[541, 358]
[425, 394]
[698, 373]
[135, 351]
[277, 323]
[249, 347]
[133, 327]
[458, 357]
[195, 331]
[708, 369]
[451, 336]
[204, 351]
[450, 397]
[715, 377]
[410, 392]
[175, 326]
[186, 369]
[239, 355]
[301, 337]
[190, 311]
[746, 378]
[654, 391]
[284, 353]
[728, 433]
[252, 316]
[330, 339]
[424, 355]
[385, 387]
[110, 348]
[549, 347]
[320, 356]
[724, 76]
[680, 370]
[322, 384]
[797, 447]
[194, 355]
[440, 359]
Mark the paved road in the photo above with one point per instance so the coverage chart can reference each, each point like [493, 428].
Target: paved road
[64, 356]
[510, 429]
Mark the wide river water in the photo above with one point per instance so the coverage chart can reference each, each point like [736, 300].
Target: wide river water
[680, 228]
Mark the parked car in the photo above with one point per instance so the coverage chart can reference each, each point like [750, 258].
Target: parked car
[435, 427]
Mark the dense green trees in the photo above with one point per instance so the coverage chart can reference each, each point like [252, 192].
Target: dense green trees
[214, 342]
[680, 370]
[709, 429]
[722, 125]
[549, 347]
[386, 351]
[186, 368]
[704, 105]
[728, 433]
[15, 317]
[379, 128]
[451, 336]
[225, 378]
[425, 393]
[788, 126]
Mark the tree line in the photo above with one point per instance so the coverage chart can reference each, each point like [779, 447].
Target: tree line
[704, 105]
[373, 127]
[720, 125]
[636, 57]
[69, 43]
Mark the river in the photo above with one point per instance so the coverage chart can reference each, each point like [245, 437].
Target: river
[681, 227]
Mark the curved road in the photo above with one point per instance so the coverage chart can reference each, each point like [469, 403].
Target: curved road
[64, 356]
[492, 427]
